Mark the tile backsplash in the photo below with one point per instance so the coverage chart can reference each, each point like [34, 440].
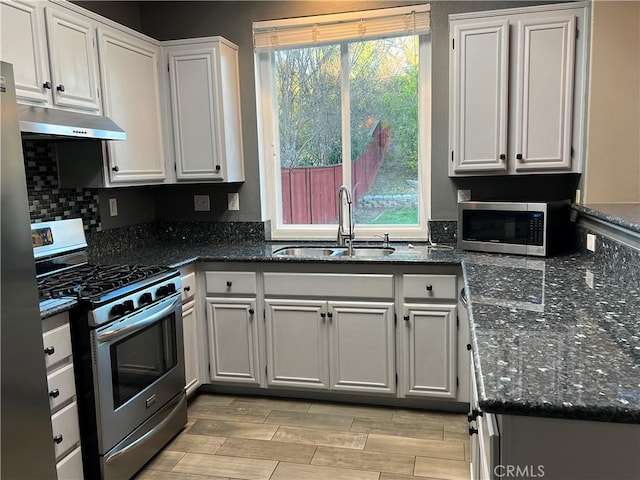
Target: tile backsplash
[48, 202]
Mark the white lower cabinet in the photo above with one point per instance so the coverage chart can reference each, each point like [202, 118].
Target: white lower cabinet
[233, 340]
[343, 341]
[335, 345]
[297, 343]
[190, 330]
[429, 336]
[327, 330]
[62, 396]
[430, 353]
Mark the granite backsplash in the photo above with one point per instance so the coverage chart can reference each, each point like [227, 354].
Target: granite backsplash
[615, 258]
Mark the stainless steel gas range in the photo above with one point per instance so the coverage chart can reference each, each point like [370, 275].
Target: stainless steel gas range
[127, 346]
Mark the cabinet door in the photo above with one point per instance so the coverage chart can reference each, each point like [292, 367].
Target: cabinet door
[191, 370]
[430, 350]
[23, 43]
[233, 340]
[361, 346]
[544, 93]
[193, 86]
[478, 95]
[297, 350]
[73, 59]
[130, 82]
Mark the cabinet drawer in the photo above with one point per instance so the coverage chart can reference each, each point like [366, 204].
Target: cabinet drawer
[66, 433]
[428, 287]
[188, 286]
[329, 285]
[57, 344]
[61, 385]
[230, 282]
[70, 467]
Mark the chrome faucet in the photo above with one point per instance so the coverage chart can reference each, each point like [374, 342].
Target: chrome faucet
[345, 239]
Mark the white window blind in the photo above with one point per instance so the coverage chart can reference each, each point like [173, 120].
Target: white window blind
[341, 27]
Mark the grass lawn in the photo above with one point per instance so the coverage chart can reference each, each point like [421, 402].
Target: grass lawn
[397, 216]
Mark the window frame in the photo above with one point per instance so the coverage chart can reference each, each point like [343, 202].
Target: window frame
[269, 154]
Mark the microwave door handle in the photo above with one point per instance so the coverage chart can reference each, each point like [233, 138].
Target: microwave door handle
[116, 333]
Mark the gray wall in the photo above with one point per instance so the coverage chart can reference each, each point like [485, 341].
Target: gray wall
[172, 20]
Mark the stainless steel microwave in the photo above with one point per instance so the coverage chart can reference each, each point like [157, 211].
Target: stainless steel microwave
[521, 228]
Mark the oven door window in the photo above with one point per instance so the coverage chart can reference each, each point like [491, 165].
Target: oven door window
[141, 358]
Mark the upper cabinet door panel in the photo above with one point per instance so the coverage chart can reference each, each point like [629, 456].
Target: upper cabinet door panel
[130, 81]
[544, 99]
[23, 44]
[193, 113]
[74, 60]
[479, 95]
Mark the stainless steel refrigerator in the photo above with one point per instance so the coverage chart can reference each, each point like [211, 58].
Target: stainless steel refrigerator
[26, 441]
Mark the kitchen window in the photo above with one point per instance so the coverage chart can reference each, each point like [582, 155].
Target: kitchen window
[345, 99]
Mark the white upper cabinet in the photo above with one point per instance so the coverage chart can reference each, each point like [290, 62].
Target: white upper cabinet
[56, 65]
[73, 59]
[544, 92]
[204, 95]
[130, 81]
[479, 87]
[517, 90]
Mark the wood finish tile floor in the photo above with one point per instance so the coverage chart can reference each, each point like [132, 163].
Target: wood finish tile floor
[254, 438]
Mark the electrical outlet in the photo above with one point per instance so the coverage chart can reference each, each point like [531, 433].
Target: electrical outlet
[464, 195]
[201, 203]
[578, 196]
[591, 242]
[113, 207]
[588, 278]
[233, 201]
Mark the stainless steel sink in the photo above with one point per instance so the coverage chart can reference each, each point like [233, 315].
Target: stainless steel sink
[371, 251]
[322, 251]
[306, 252]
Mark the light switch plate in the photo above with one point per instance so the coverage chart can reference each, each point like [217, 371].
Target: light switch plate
[591, 242]
[113, 207]
[233, 201]
[464, 195]
[201, 203]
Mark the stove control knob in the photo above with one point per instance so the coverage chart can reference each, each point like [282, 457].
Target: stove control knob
[171, 288]
[117, 310]
[128, 306]
[145, 299]
[162, 292]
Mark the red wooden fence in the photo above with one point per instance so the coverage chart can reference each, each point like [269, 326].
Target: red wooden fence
[309, 194]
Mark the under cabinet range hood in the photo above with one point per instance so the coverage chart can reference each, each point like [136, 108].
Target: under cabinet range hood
[38, 122]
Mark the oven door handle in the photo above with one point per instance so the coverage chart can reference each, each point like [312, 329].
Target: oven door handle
[158, 428]
[154, 315]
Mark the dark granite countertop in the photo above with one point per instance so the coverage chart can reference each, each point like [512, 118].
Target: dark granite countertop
[177, 254]
[555, 337]
[51, 308]
[626, 215]
[552, 337]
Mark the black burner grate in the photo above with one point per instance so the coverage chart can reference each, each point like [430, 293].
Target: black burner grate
[91, 282]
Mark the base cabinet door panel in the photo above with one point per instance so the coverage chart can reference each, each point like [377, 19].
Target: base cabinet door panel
[361, 346]
[191, 371]
[233, 340]
[297, 350]
[430, 356]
